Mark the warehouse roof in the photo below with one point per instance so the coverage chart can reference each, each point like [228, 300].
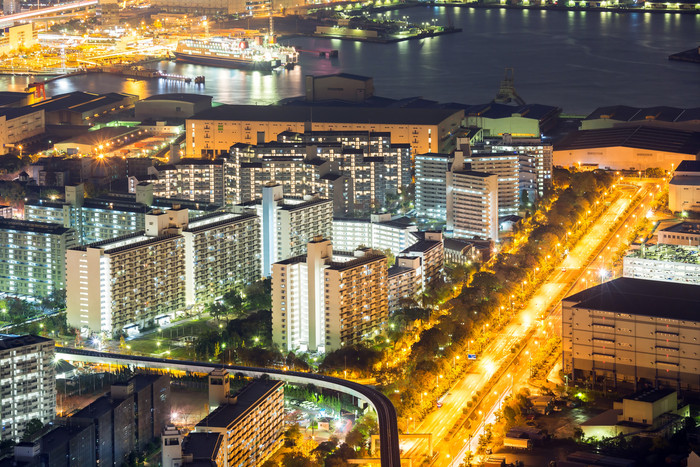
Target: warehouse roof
[642, 297]
[184, 97]
[641, 137]
[625, 113]
[368, 115]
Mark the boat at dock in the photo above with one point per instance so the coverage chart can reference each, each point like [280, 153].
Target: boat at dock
[258, 53]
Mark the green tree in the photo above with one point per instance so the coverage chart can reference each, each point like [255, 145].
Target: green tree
[33, 427]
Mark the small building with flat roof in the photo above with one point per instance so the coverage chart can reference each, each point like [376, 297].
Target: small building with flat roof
[171, 106]
[684, 187]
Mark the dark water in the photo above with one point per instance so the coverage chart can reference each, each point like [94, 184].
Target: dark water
[576, 60]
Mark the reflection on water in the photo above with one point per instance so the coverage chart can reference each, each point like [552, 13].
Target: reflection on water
[577, 60]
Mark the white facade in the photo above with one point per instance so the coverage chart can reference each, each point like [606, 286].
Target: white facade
[669, 263]
[472, 204]
[685, 233]
[684, 187]
[27, 383]
[506, 166]
[379, 232]
[430, 185]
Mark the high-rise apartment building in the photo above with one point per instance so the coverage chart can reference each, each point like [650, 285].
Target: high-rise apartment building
[472, 204]
[288, 223]
[379, 232]
[250, 422]
[136, 280]
[503, 164]
[322, 301]
[32, 257]
[222, 249]
[431, 185]
[104, 218]
[27, 383]
[200, 180]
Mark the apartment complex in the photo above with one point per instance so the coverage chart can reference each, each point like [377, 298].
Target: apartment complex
[104, 218]
[633, 331]
[431, 185]
[27, 383]
[32, 257]
[672, 263]
[138, 279]
[199, 180]
[472, 204]
[288, 223]
[322, 301]
[214, 131]
[684, 187]
[250, 424]
[379, 232]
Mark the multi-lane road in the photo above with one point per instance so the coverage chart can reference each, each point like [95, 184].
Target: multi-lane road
[589, 262]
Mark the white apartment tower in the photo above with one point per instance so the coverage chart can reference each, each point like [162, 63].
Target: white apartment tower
[472, 204]
[321, 302]
[27, 383]
[430, 185]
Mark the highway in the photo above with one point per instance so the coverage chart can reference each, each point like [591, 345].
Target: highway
[386, 414]
[9, 20]
[579, 269]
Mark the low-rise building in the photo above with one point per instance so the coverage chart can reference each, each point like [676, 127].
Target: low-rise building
[18, 125]
[684, 187]
[684, 233]
[32, 257]
[670, 263]
[27, 383]
[630, 331]
[171, 106]
[250, 424]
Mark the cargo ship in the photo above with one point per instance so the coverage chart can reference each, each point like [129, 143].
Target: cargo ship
[245, 53]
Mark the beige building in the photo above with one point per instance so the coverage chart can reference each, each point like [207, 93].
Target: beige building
[339, 87]
[27, 383]
[627, 148]
[684, 233]
[322, 301]
[684, 187]
[633, 331]
[250, 422]
[18, 125]
[214, 131]
[472, 204]
[16, 37]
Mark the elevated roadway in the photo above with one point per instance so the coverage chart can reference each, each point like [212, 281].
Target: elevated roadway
[9, 20]
[386, 414]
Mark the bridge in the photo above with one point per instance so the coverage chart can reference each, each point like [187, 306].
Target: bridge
[9, 20]
[386, 414]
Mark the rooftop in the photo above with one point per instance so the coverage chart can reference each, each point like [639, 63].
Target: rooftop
[649, 395]
[8, 341]
[251, 396]
[642, 297]
[104, 134]
[202, 446]
[670, 253]
[33, 227]
[360, 115]
[216, 219]
[184, 97]
[628, 114]
[641, 137]
[684, 227]
[368, 257]
[689, 166]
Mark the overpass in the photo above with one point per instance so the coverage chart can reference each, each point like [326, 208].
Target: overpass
[9, 20]
[386, 414]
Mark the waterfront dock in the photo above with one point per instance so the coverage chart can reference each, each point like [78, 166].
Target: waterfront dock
[383, 39]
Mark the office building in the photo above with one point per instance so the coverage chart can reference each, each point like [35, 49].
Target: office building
[288, 223]
[627, 148]
[214, 131]
[431, 185]
[32, 258]
[221, 250]
[250, 424]
[684, 187]
[673, 263]
[322, 300]
[472, 204]
[633, 331]
[379, 232]
[27, 383]
[685, 233]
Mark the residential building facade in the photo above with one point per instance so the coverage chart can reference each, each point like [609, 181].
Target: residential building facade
[379, 232]
[472, 204]
[431, 185]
